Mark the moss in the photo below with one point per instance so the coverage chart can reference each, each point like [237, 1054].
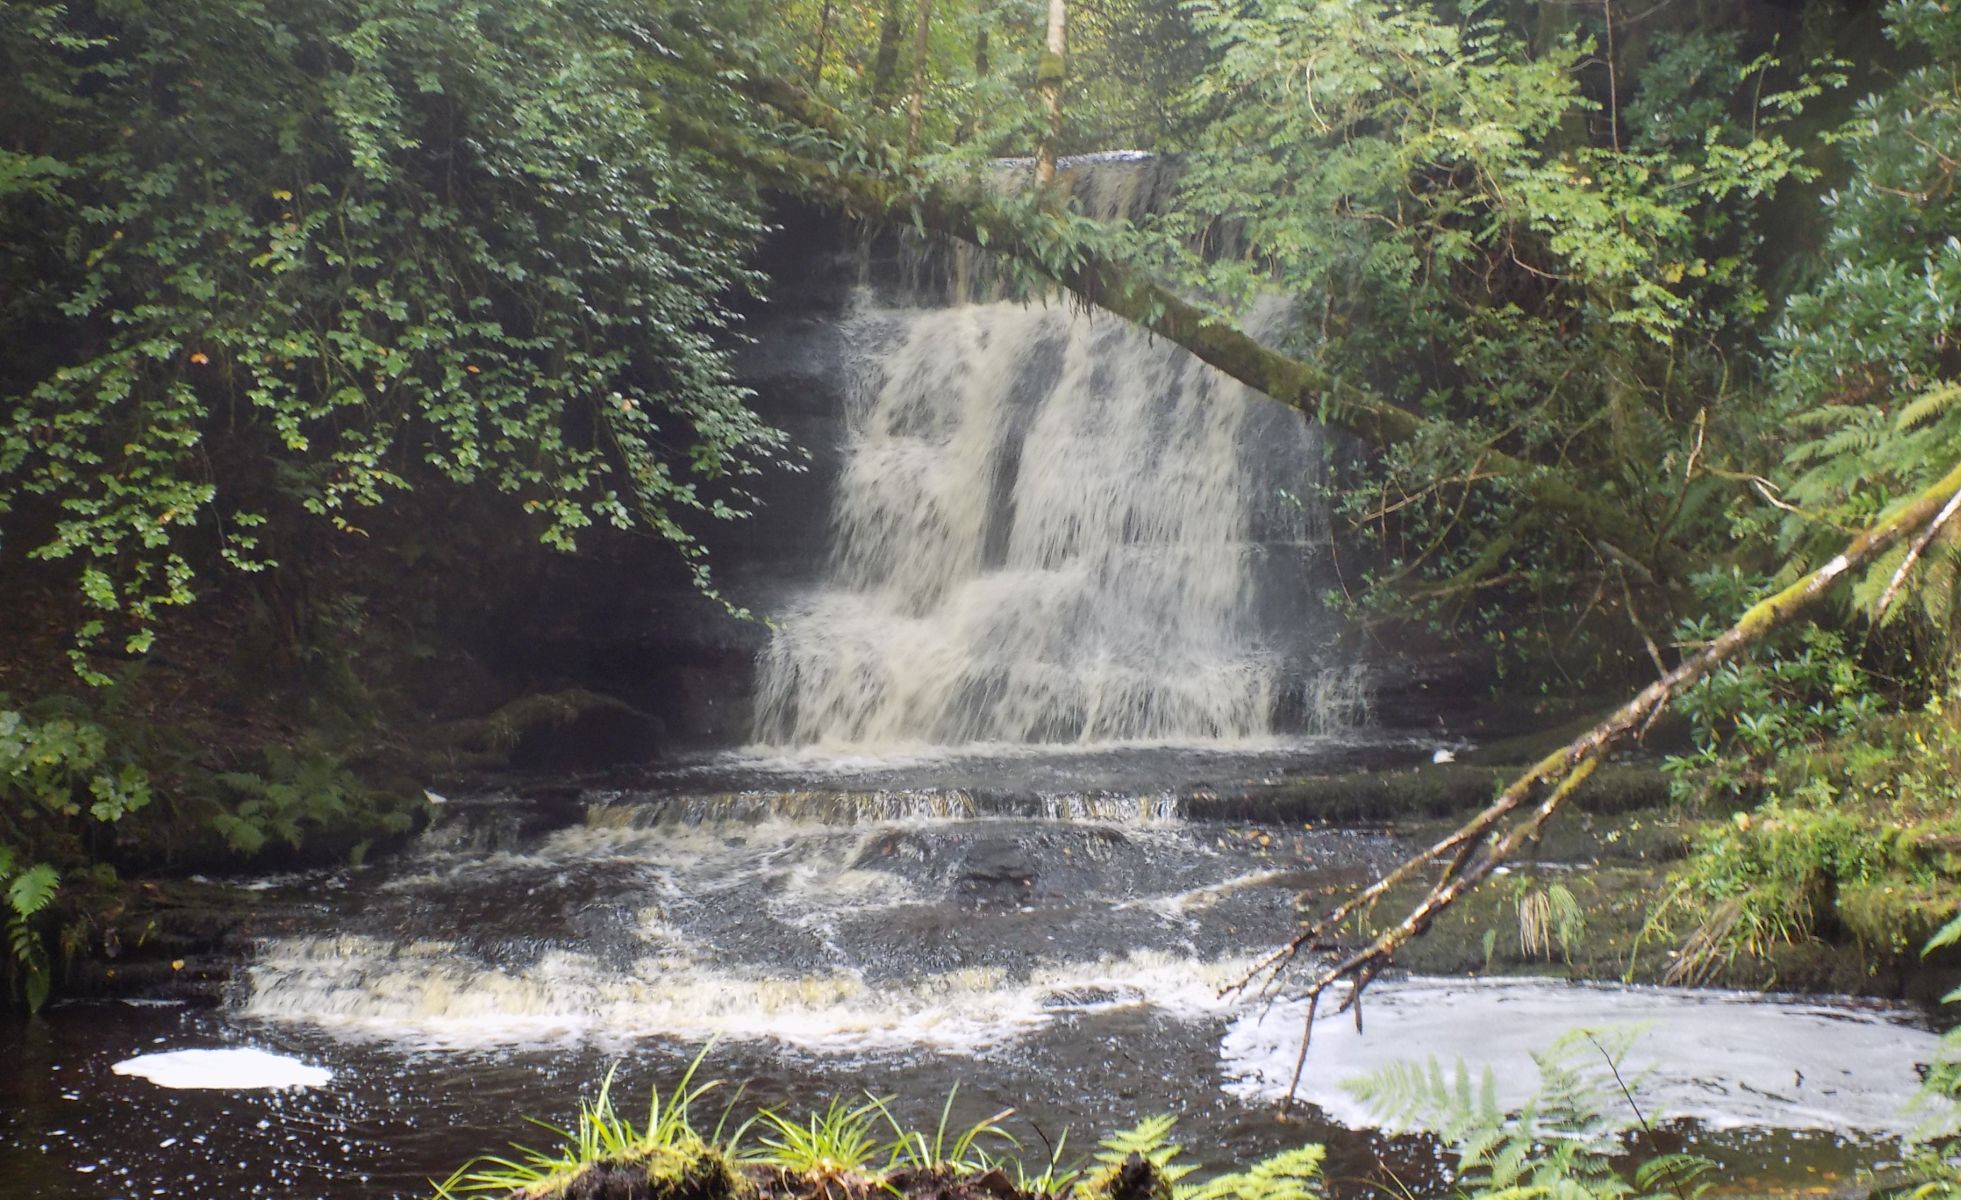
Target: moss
[1894, 916]
[563, 729]
[1616, 901]
[649, 1173]
[1619, 869]
[1430, 790]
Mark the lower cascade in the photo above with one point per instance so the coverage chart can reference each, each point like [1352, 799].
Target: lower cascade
[1051, 529]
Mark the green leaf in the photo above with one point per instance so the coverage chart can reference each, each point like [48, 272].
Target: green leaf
[32, 889]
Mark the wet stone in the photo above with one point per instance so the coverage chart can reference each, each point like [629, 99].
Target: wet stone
[998, 862]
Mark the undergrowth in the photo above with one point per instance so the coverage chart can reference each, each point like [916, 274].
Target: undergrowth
[1576, 1138]
[86, 786]
[1933, 1152]
[666, 1147]
[1855, 838]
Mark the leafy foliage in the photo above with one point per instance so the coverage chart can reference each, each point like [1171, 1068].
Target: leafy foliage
[1846, 841]
[1473, 237]
[1786, 700]
[1867, 368]
[298, 790]
[1933, 1159]
[1289, 1175]
[411, 244]
[58, 780]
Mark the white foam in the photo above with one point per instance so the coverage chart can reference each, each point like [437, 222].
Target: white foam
[431, 993]
[225, 1070]
[1729, 1059]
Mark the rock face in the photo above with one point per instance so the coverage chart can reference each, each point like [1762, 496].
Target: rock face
[621, 618]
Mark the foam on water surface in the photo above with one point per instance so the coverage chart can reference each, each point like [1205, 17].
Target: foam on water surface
[430, 994]
[234, 1069]
[1727, 1059]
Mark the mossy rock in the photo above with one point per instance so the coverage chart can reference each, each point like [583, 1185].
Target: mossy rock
[571, 729]
[650, 1173]
[1894, 916]
[1430, 790]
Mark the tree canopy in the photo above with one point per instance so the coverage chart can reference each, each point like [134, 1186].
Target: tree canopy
[271, 261]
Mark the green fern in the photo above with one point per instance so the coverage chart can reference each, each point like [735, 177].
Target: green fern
[1290, 1175]
[1408, 1095]
[1559, 1145]
[1150, 1140]
[1927, 407]
[30, 891]
[31, 957]
[1933, 1155]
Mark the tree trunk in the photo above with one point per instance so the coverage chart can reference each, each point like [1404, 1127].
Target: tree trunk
[823, 46]
[916, 105]
[1049, 77]
[886, 64]
[969, 121]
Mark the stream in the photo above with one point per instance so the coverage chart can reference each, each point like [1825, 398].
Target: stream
[1037, 929]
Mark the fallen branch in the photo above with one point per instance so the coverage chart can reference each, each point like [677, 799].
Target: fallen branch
[1564, 771]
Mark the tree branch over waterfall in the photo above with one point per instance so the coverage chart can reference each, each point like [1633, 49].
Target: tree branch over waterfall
[1474, 849]
[1081, 256]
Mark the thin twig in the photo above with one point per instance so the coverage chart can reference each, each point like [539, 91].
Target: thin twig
[1674, 1181]
[1300, 1061]
[1899, 579]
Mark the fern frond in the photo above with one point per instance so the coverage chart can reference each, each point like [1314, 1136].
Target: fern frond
[1146, 1139]
[32, 889]
[1150, 1140]
[1947, 935]
[1927, 406]
[1680, 1175]
[1290, 1175]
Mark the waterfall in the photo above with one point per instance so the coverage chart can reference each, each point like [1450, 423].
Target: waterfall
[1051, 528]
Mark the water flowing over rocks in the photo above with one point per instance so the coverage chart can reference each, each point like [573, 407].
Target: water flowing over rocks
[1049, 529]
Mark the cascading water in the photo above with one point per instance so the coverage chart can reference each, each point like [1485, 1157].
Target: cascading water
[1053, 529]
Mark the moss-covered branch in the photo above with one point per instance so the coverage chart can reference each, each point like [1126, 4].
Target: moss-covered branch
[1559, 774]
[1095, 274]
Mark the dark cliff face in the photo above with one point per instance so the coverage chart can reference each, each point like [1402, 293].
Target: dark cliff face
[622, 618]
